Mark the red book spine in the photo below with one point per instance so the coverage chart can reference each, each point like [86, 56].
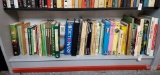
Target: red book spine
[154, 36]
[92, 3]
[49, 3]
[36, 38]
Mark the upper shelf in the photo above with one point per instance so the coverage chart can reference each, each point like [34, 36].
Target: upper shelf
[75, 9]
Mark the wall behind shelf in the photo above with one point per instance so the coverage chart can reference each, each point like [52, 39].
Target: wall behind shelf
[36, 16]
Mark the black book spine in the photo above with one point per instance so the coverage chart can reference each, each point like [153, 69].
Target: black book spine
[12, 3]
[37, 3]
[20, 3]
[122, 3]
[125, 3]
[75, 39]
[79, 37]
[29, 3]
[157, 3]
[128, 3]
[40, 3]
[33, 3]
[4, 4]
[142, 1]
[54, 3]
[88, 51]
[45, 3]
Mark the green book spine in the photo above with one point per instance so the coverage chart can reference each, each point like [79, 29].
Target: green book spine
[29, 40]
[32, 41]
[113, 3]
[101, 38]
[57, 51]
[19, 39]
[44, 49]
[14, 40]
[53, 39]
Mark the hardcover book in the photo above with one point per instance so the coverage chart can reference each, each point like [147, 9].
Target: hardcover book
[62, 38]
[101, 4]
[53, 37]
[57, 50]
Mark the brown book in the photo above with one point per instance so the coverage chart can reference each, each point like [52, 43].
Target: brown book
[73, 3]
[62, 3]
[109, 3]
[132, 1]
[119, 3]
[23, 27]
[80, 4]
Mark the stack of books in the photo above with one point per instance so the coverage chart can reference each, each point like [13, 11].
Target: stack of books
[78, 3]
[130, 36]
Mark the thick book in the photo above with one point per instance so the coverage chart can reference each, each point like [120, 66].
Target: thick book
[145, 4]
[119, 3]
[111, 36]
[101, 4]
[151, 3]
[19, 38]
[68, 37]
[105, 3]
[97, 36]
[8, 3]
[62, 38]
[84, 4]
[120, 42]
[57, 49]
[80, 4]
[43, 32]
[16, 4]
[39, 36]
[14, 38]
[79, 37]
[135, 3]
[75, 38]
[116, 35]
[53, 37]
[101, 38]
[92, 3]
[69, 3]
[106, 37]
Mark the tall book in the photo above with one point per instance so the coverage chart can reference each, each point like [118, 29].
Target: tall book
[19, 38]
[73, 3]
[75, 38]
[79, 37]
[101, 37]
[101, 4]
[69, 3]
[116, 35]
[29, 39]
[87, 3]
[53, 37]
[132, 2]
[106, 37]
[59, 4]
[84, 3]
[14, 38]
[57, 50]
[62, 38]
[154, 36]
[8, 3]
[68, 37]
[135, 3]
[92, 3]
[119, 48]
[39, 37]
[12, 3]
[105, 3]
[88, 49]
[119, 3]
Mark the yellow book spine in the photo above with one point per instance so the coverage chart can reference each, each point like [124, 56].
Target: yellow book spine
[73, 3]
[124, 28]
[120, 37]
[93, 39]
[80, 4]
[59, 4]
[115, 40]
[105, 3]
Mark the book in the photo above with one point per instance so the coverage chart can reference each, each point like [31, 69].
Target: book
[28, 3]
[92, 3]
[119, 3]
[14, 38]
[151, 3]
[155, 27]
[106, 37]
[62, 1]
[97, 36]
[43, 32]
[96, 2]
[135, 3]
[57, 51]
[101, 38]
[76, 4]
[8, 3]
[5, 3]
[157, 3]
[29, 40]
[116, 35]
[73, 3]
[26, 38]
[83, 3]
[37, 5]
[146, 3]
[79, 37]
[101, 4]
[59, 4]
[113, 3]
[16, 4]
[109, 3]
[12, 3]
[49, 3]
[19, 38]
[126, 3]
[87, 3]
[68, 37]
[105, 3]
[53, 37]
[69, 3]
[111, 36]
[40, 4]
[54, 3]
[33, 4]
[65, 4]
[132, 2]
[116, 3]
[62, 38]
[75, 38]
[120, 40]
[80, 4]
[39, 37]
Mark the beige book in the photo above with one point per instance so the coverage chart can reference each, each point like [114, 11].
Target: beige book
[138, 1]
[80, 4]
[132, 1]
[73, 3]
[101, 4]
[51, 3]
[119, 3]
[96, 3]
[151, 3]
[69, 3]
[120, 42]
[97, 37]
[59, 4]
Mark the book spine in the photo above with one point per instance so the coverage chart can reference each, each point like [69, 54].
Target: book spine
[129, 39]
[101, 4]
[132, 2]
[113, 3]
[75, 39]
[19, 38]
[62, 38]
[62, 1]
[65, 4]
[93, 51]
[115, 41]
[80, 4]
[76, 3]
[87, 3]
[119, 3]
[26, 38]
[135, 3]
[54, 3]
[59, 4]
[69, 3]
[36, 39]
[111, 38]
[45, 3]
[33, 4]
[44, 52]
[120, 43]
[28, 3]
[145, 3]
[53, 39]
[68, 38]
[97, 37]
[32, 42]
[8, 4]
[151, 3]
[57, 51]
[96, 3]
[106, 38]
[4, 4]
[136, 42]
[110, 3]
[20, 3]
[101, 38]
[128, 4]
[49, 3]
[14, 40]
[88, 50]
[47, 40]
[16, 4]
[105, 1]
[40, 4]
[73, 3]
[29, 41]
[79, 37]
[37, 4]
[142, 1]
[12, 3]
[83, 3]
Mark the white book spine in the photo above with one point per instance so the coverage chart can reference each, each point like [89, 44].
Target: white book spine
[16, 4]
[69, 3]
[96, 3]
[56, 40]
[151, 3]
[97, 38]
[150, 36]
[120, 42]
[34, 41]
[101, 4]
[65, 3]
[26, 36]
[8, 4]
[138, 1]
[137, 40]
[76, 3]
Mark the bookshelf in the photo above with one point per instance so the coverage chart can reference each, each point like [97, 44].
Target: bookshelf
[17, 64]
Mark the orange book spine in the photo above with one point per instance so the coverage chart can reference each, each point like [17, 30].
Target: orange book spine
[83, 3]
[49, 3]
[109, 3]
[62, 3]
[92, 3]
[73, 3]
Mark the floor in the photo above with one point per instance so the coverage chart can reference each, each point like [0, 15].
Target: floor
[126, 72]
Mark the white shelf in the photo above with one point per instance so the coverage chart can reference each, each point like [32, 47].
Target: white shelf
[70, 58]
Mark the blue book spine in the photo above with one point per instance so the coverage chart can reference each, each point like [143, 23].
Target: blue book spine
[146, 3]
[135, 3]
[68, 38]
[106, 37]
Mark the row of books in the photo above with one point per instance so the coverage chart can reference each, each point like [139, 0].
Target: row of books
[130, 36]
[76, 3]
